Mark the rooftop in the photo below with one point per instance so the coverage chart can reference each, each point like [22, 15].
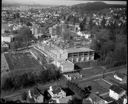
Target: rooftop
[65, 99]
[56, 89]
[117, 89]
[62, 62]
[81, 49]
[120, 75]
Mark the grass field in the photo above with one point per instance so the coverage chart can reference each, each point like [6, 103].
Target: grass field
[20, 61]
[92, 71]
[97, 86]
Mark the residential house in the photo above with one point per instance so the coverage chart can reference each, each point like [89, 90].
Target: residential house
[5, 45]
[116, 92]
[35, 96]
[37, 36]
[58, 95]
[86, 101]
[121, 77]
[56, 92]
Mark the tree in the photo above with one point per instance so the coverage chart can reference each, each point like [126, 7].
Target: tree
[26, 34]
[17, 82]
[29, 24]
[24, 96]
[8, 84]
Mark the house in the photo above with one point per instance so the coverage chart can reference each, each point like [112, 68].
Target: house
[4, 45]
[86, 101]
[66, 66]
[67, 77]
[56, 92]
[35, 96]
[37, 36]
[64, 100]
[6, 39]
[121, 77]
[116, 92]
[125, 99]
[58, 95]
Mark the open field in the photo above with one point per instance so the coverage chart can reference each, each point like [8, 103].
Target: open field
[92, 71]
[20, 61]
[98, 86]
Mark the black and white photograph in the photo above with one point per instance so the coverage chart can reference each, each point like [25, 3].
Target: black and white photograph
[64, 51]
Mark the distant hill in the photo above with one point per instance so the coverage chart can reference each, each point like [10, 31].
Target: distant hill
[95, 6]
[29, 5]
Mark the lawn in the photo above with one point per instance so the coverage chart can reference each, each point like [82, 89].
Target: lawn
[97, 86]
[92, 71]
[20, 61]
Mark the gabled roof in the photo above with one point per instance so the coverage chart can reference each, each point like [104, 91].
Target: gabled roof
[35, 92]
[56, 89]
[116, 89]
[120, 75]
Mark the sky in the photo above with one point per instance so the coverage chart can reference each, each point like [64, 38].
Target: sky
[58, 2]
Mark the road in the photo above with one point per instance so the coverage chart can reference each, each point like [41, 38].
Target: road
[97, 76]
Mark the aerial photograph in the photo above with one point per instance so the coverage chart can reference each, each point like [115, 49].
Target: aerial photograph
[64, 51]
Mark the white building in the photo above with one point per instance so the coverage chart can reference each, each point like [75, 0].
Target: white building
[116, 92]
[121, 77]
[66, 66]
[58, 95]
[125, 101]
[5, 39]
[56, 92]
[37, 36]
[38, 98]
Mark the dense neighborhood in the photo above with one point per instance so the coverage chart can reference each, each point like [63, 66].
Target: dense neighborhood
[63, 54]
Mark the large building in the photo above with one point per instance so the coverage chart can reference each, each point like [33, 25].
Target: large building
[65, 58]
[80, 54]
[74, 55]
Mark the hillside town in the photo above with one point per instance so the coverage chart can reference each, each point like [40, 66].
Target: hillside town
[56, 54]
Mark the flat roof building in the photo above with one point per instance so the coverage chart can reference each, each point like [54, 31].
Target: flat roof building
[65, 58]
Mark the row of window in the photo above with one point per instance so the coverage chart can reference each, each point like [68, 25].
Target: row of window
[80, 54]
[81, 59]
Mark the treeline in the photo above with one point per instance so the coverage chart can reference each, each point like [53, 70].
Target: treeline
[111, 44]
[29, 79]
[93, 7]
